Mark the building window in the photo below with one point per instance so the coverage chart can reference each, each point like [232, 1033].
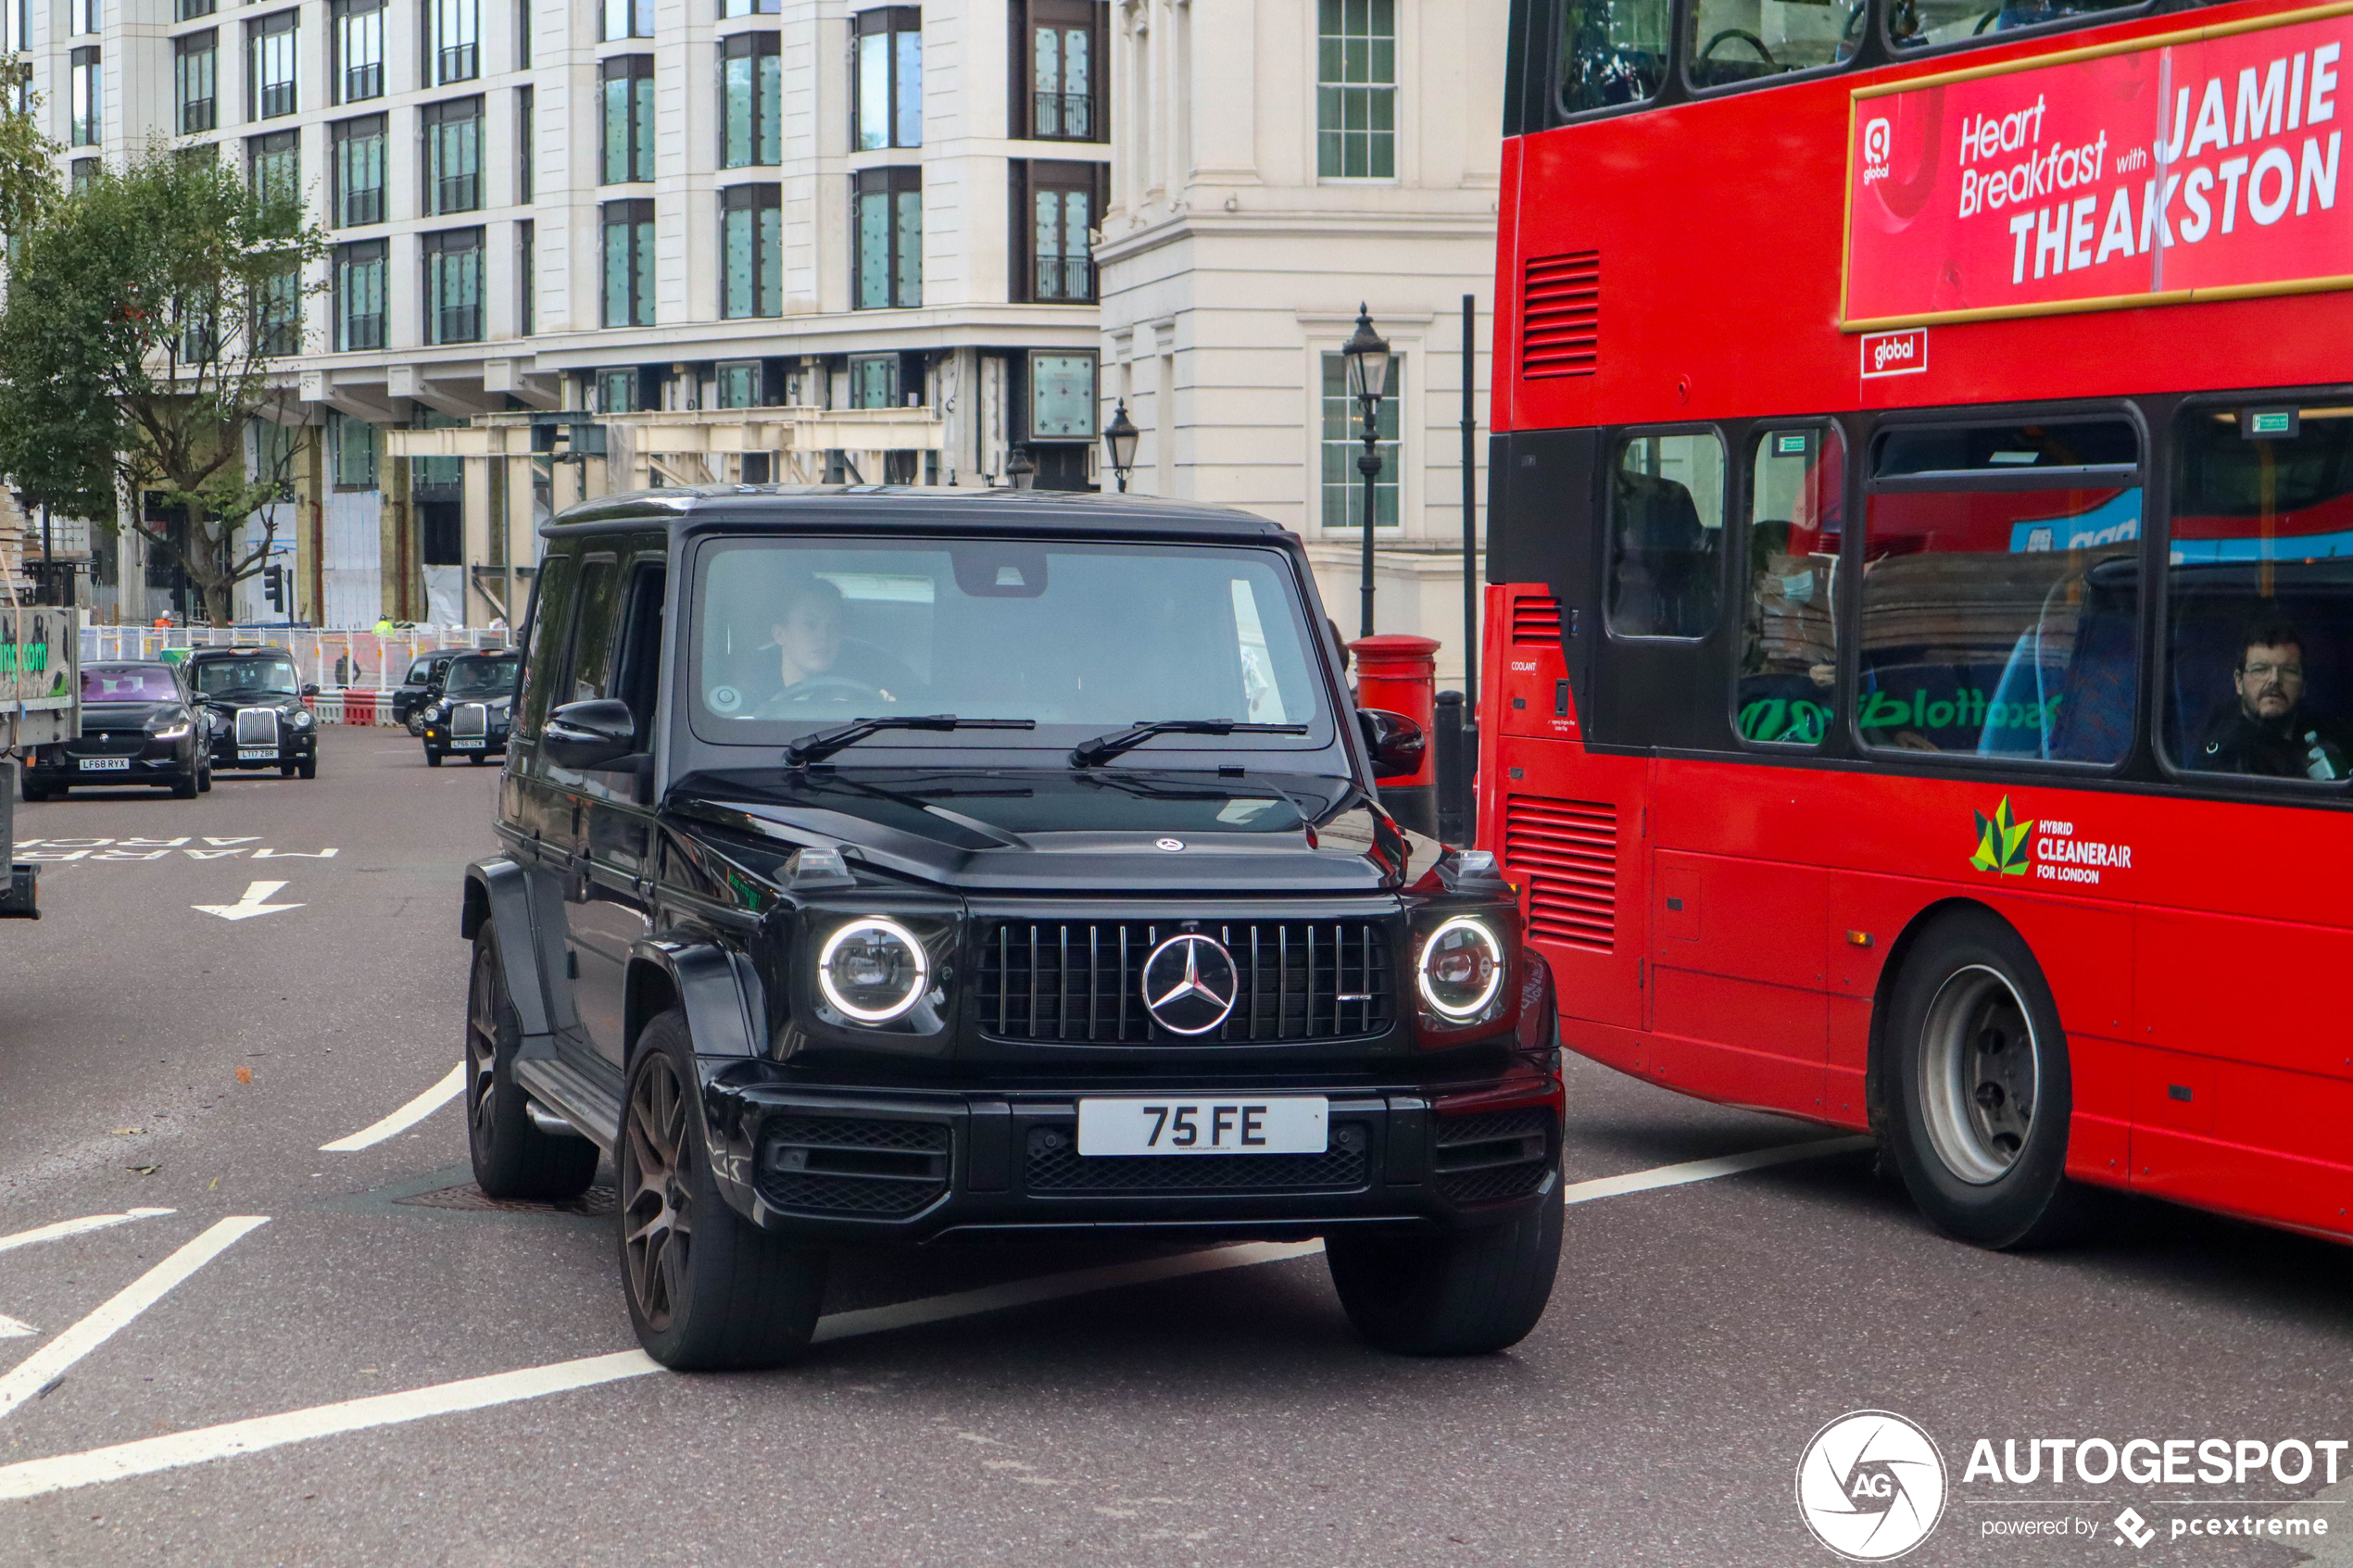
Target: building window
[1357, 90]
[356, 72]
[352, 446]
[453, 287]
[737, 385]
[886, 89]
[527, 142]
[83, 173]
[1344, 443]
[84, 107]
[360, 298]
[273, 163]
[453, 42]
[360, 171]
[629, 119]
[270, 65]
[195, 78]
[752, 276]
[749, 7]
[188, 10]
[1062, 70]
[452, 165]
[617, 392]
[1063, 209]
[887, 233]
[629, 264]
[89, 16]
[628, 19]
[1062, 396]
[751, 107]
[277, 314]
[874, 380]
[527, 277]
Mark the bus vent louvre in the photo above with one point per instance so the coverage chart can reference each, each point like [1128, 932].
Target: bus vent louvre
[1560, 315]
[1567, 851]
[1536, 619]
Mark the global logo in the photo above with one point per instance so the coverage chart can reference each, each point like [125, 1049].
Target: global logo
[1870, 1486]
[1878, 138]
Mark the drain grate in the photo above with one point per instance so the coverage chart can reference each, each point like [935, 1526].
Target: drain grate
[599, 1200]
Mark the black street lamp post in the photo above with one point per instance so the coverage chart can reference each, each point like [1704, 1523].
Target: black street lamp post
[1368, 355]
[1119, 441]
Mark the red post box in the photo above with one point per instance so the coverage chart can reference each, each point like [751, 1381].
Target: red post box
[1400, 673]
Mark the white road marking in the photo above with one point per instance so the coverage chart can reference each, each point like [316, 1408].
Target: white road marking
[38, 1477]
[42, 1367]
[76, 1227]
[408, 1116]
[253, 903]
[15, 1328]
[1703, 1170]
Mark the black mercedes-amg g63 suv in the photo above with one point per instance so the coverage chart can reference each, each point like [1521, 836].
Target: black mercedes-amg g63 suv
[892, 865]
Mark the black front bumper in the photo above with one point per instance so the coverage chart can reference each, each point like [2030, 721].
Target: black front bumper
[293, 746]
[154, 763]
[913, 1165]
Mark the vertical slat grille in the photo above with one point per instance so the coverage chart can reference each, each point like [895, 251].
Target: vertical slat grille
[1560, 314]
[1567, 851]
[469, 719]
[1536, 619]
[1080, 981]
[256, 726]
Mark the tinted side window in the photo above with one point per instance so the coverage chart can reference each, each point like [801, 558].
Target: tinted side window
[588, 674]
[1612, 52]
[638, 674]
[1666, 535]
[551, 628]
[1789, 648]
[2001, 592]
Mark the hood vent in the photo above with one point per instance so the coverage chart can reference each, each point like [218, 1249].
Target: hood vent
[1536, 620]
[1560, 315]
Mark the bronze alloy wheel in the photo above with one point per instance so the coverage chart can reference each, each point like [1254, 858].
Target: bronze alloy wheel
[658, 1230]
[513, 1157]
[483, 1007]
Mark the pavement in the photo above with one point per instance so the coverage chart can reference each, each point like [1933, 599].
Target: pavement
[345, 1356]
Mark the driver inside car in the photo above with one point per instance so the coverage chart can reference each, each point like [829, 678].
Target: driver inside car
[816, 664]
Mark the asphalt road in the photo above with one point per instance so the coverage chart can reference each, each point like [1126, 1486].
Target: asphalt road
[1046, 1405]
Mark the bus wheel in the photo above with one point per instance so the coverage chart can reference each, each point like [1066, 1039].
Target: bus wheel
[1979, 1088]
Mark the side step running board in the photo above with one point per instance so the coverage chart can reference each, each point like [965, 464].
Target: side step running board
[573, 1095]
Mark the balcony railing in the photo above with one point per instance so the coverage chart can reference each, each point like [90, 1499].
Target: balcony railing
[363, 81]
[198, 114]
[1062, 116]
[1065, 279]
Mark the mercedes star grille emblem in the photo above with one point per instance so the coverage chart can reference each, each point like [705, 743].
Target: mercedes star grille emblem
[1171, 844]
[1190, 984]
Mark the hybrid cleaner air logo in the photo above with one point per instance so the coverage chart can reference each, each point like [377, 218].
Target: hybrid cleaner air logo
[1870, 1486]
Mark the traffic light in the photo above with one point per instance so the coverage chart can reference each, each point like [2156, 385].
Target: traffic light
[273, 586]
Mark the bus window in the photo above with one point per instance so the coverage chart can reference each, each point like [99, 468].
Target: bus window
[1667, 532]
[1918, 24]
[1789, 658]
[2259, 594]
[1730, 41]
[2001, 585]
[1612, 52]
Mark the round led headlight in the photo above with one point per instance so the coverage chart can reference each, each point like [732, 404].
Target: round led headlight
[303, 720]
[1462, 969]
[873, 970]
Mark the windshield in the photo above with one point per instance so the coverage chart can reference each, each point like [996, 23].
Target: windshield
[263, 674]
[1083, 638]
[129, 683]
[482, 677]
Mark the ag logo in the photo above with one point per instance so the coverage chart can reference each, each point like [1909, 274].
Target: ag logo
[1870, 1486]
[2001, 842]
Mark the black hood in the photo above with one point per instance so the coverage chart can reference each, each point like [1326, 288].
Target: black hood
[126, 715]
[1113, 830]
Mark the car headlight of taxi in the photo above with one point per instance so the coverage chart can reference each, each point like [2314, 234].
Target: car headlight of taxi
[1460, 969]
[873, 970]
[304, 720]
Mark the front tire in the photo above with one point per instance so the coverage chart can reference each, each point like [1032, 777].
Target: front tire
[1467, 1293]
[185, 789]
[1978, 1088]
[433, 757]
[309, 766]
[706, 1288]
[511, 1157]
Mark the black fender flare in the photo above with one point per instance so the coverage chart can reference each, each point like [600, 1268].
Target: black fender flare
[497, 893]
[719, 993]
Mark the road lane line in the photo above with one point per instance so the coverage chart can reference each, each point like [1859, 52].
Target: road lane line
[408, 1116]
[1703, 1169]
[38, 1370]
[38, 1477]
[16, 1328]
[77, 1227]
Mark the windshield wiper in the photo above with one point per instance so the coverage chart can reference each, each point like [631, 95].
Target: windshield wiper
[1102, 748]
[824, 742]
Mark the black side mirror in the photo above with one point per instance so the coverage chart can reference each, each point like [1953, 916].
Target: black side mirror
[1395, 741]
[309, 690]
[589, 734]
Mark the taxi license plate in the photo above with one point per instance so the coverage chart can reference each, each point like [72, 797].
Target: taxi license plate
[1205, 1124]
[465, 745]
[106, 764]
[257, 754]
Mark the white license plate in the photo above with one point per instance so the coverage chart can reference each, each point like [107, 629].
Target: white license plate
[466, 745]
[1218, 1125]
[106, 764]
[256, 753]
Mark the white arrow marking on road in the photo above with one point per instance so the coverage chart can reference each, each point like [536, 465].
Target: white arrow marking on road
[15, 1328]
[252, 904]
[408, 1116]
[76, 1227]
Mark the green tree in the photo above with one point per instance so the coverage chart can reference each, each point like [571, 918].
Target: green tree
[28, 167]
[145, 315]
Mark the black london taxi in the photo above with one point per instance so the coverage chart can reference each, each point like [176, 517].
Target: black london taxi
[420, 687]
[259, 719]
[896, 865]
[139, 725]
[474, 712]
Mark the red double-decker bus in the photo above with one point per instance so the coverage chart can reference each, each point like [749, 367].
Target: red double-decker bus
[1922, 580]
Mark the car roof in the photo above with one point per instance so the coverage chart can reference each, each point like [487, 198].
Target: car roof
[131, 664]
[242, 650]
[912, 508]
[487, 653]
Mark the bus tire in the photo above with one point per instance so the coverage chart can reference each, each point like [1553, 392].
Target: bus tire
[1467, 1293]
[1979, 1092]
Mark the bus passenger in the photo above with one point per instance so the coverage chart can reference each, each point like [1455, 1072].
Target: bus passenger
[2269, 732]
